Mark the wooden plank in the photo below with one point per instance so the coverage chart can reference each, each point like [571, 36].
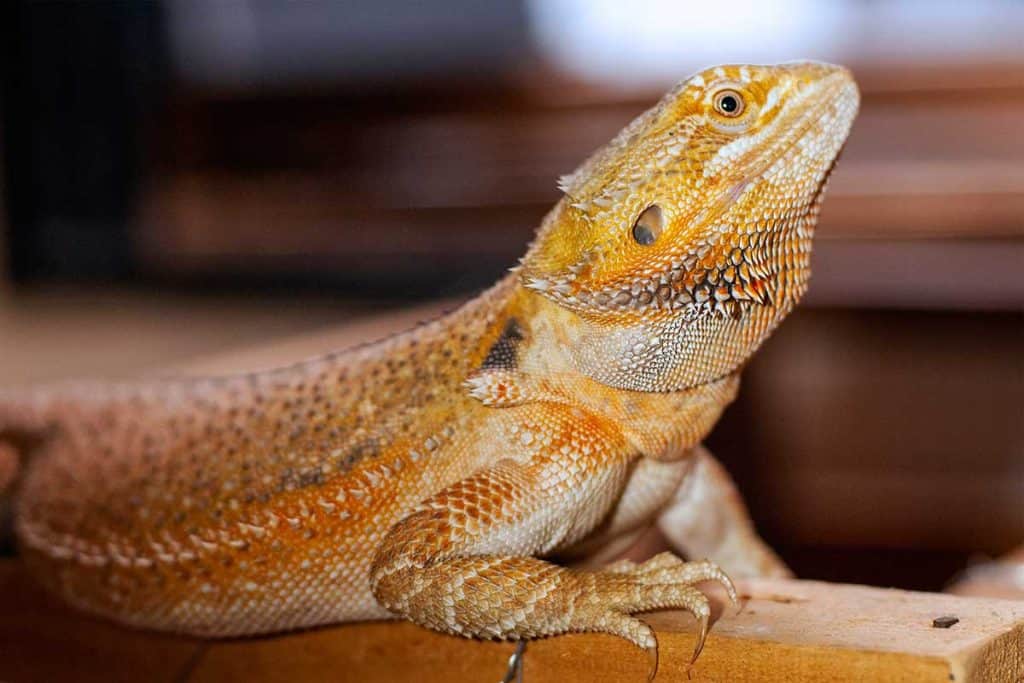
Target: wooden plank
[44, 640]
[787, 630]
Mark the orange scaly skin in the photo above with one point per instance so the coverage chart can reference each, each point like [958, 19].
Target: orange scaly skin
[429, 475]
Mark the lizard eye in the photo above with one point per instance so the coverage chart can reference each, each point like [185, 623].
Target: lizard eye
[729, 103]
[648, 225]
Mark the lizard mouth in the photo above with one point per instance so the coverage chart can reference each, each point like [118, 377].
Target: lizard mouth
[829, 105]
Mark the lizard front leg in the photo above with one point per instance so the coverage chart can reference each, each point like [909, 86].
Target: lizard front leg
[466, 560]
[707, 518]
[698, 509]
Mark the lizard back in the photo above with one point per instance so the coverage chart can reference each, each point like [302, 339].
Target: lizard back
[165, 482]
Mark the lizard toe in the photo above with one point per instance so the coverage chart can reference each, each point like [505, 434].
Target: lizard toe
[609, 599]
[666, 568]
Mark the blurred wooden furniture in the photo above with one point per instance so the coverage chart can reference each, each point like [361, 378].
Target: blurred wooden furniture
[788, 630]
[883, 446]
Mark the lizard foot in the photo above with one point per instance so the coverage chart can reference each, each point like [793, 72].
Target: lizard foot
[611, 597]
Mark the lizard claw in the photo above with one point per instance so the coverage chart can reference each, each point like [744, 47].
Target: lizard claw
[652, 657]
[702, 634]
[514, 672]
[730, 588]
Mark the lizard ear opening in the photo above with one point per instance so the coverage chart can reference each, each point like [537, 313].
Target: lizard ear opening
[648, 225]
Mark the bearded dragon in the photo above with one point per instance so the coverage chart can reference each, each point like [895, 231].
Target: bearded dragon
[434, 475]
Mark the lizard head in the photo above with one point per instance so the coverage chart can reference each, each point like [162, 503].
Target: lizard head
[682, 243]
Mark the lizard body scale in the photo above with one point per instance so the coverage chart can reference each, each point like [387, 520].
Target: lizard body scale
[431, 474]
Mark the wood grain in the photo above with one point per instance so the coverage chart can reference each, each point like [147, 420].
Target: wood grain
[787, 631]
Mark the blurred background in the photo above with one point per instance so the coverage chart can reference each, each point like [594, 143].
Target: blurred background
[184, 177]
